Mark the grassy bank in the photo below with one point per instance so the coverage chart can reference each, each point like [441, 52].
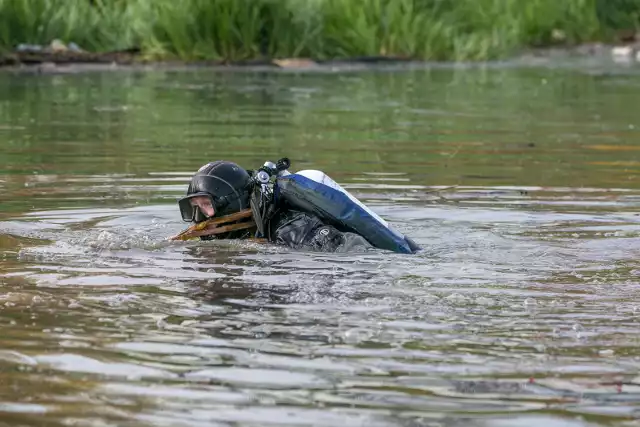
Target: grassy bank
[320, 29]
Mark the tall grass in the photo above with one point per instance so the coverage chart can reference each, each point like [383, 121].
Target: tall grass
[321, 29]
[205, 28]
[96, 25]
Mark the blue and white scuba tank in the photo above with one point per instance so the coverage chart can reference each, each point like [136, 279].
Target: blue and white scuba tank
[314, 192]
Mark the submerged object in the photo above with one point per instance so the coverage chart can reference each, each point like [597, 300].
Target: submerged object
[315, 192]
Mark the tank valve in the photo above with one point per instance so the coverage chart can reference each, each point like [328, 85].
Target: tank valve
[262, 177]
[283, 164]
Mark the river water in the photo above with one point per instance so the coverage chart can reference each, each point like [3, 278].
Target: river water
[520, 183]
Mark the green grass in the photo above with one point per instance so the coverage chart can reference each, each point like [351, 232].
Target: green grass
[98, 25]
[320, 29]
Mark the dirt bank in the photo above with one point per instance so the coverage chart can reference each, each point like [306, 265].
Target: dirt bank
[70, 61]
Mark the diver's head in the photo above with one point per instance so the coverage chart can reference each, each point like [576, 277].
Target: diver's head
[218, 188]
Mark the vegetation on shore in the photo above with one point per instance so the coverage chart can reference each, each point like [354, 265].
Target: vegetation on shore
[319, 29]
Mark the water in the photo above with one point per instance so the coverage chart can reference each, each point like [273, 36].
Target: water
[519, 182]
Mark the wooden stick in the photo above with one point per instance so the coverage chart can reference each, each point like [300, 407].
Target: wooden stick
[210, 226]
[219, 230]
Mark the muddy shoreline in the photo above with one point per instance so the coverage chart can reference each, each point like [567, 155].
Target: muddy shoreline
[71, 62]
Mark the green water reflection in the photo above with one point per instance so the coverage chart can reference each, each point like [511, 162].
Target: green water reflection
[531, 127]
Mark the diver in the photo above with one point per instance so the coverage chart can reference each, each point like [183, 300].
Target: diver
[223, 189]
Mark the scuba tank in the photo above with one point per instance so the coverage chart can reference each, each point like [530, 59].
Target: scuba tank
[315, 192]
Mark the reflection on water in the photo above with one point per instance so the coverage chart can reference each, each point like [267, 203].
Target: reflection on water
[522, 309]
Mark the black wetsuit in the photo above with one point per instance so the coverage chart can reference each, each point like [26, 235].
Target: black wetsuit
[303, 231]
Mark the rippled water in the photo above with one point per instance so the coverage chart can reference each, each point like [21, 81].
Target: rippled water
[519, 182]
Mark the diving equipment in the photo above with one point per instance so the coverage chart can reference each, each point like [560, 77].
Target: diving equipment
[312, 191]
[262, 202]
[306, 209]
[226, 184]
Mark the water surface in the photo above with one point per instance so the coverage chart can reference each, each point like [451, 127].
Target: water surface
[519, 182]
